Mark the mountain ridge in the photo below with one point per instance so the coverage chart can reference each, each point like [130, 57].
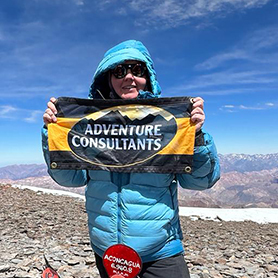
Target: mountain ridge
[228, 162]
[247, 162]
[246, 181]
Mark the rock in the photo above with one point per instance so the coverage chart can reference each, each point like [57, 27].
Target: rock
[90, 261]
[269, 259]
[16, 261]
[194, 276]
[4, 268]
[235, 265]
[34, 225]
[221, 261]
[271, 275]
[73, 262]
[198, 261]
[272, 268]
[11, 256]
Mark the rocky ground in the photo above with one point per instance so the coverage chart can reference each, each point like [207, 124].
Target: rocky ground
[36, 224]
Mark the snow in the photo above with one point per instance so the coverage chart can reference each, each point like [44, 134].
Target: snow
[50, 191]
[259, 215]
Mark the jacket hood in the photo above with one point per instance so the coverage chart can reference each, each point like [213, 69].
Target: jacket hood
[127, 50]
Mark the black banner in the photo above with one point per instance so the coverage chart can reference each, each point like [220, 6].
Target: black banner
[154, 135]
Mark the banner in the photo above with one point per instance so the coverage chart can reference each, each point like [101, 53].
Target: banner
[146, 135]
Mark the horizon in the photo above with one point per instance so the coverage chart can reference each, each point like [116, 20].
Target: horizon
[224, 51]
[228, 154]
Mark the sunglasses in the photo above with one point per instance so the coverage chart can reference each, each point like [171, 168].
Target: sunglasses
[120, 71]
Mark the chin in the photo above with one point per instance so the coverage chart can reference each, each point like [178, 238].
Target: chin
[130, 95]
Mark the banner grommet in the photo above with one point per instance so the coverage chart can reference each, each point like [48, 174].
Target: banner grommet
[53, 165]
[187, 169]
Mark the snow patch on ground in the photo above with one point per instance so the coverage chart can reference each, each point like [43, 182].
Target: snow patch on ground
[50, 191]
[259, 215]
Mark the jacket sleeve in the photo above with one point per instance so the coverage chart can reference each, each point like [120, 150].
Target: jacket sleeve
[68, 178]
[206, 168]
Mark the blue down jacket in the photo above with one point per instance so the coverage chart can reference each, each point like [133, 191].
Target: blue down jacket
[137, 209]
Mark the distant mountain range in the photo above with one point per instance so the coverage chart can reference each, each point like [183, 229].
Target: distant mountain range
[248, 163]
[22, 171]
[237, 190]
[246, 181]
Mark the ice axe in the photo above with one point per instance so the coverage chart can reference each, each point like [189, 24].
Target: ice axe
[48, 271]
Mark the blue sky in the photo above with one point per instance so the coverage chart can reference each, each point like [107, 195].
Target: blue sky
[225, 51]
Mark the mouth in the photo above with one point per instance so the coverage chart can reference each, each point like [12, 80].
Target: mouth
[129, 87]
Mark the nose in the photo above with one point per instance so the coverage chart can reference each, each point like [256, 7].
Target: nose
[129, 74]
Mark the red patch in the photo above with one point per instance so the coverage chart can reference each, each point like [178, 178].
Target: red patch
[121, 261]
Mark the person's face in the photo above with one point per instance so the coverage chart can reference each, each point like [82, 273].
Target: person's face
[128, 87]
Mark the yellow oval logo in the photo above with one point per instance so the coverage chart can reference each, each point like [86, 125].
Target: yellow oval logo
[122, 135]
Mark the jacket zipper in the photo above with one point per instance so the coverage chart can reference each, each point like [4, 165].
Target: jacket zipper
[119, 184]
[119, 179]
